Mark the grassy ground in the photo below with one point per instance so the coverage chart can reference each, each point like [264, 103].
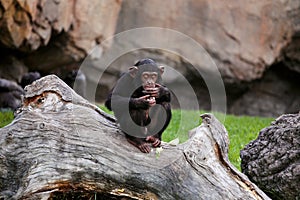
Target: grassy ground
[241, 129]
[5, 118]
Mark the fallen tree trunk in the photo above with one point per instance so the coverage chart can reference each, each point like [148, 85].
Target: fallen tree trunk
[60, 146]
[272, 160]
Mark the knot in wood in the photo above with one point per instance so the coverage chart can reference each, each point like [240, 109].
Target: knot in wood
[42, 125]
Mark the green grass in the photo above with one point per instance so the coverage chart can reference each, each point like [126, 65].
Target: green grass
[182, 121]
[5, 118]
[241, 129]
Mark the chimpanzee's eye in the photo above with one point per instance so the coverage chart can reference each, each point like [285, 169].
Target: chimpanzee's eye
[145, 76]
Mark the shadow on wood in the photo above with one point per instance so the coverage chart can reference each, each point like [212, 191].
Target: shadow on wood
[60, 146]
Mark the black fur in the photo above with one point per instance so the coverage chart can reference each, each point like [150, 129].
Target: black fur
[140, 122]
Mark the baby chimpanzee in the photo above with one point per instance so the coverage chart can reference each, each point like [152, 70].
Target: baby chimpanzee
[141, 104]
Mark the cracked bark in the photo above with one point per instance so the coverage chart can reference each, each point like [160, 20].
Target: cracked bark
[272, 161]
[61, 146]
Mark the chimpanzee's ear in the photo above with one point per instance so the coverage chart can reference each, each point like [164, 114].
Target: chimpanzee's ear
[133, 71]
[161, 69]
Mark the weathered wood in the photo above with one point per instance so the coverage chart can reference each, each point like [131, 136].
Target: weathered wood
[59, 144]
[272, 161]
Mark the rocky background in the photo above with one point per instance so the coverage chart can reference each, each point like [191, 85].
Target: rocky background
[255, 44]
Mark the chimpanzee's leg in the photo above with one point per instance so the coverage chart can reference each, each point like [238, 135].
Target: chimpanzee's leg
[160, 118]
[135, 134]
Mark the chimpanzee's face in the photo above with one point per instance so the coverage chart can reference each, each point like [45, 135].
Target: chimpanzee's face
[146, 76]
[149, 79]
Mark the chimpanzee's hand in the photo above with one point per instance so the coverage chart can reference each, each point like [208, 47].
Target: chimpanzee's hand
[143, 102]
[151, 100]
[153, 92]
[162, 91]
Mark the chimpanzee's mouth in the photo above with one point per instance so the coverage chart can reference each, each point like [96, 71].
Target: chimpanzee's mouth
[150, 90]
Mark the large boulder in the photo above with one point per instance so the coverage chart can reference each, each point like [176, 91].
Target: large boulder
[51, 36]
[246, 41]
[272, 161]
[243, 38]
[292, 52]
[69, 29]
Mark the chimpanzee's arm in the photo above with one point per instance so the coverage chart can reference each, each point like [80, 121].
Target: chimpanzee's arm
[120, 102]
[108, 101]
[119, 98]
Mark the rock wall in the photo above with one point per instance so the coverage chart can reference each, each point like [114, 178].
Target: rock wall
[46, 34]
[247, 41]
[244, 38]
[277, 92]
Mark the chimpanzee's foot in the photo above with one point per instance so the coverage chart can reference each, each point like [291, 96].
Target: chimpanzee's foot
[155, 141]
[142, 146]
